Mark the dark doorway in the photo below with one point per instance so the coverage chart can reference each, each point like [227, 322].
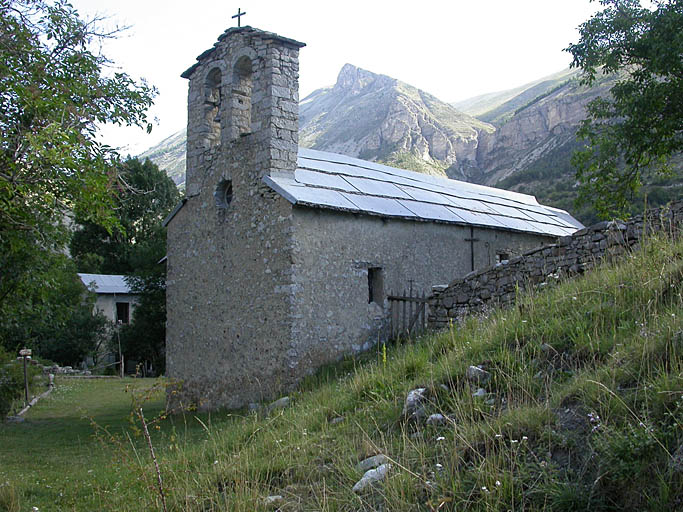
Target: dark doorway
[122, 312]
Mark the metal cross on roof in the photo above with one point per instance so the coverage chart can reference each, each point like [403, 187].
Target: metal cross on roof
[239, 16]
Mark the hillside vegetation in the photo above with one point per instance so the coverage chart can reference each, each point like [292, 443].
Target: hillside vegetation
[582, 410]
[485, 106]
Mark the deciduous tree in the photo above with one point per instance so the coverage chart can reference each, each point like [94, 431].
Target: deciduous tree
[632, 134]
[146, 196]
[55, 90]
[143, 197]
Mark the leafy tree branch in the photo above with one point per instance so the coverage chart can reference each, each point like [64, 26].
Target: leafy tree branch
[631, 135]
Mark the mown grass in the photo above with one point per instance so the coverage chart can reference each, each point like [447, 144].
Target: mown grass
[583, 411]
[53, 460]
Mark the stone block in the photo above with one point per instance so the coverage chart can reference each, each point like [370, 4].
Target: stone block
[281, 92]
[462, 298]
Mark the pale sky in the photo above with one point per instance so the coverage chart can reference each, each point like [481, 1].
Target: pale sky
[452, 49]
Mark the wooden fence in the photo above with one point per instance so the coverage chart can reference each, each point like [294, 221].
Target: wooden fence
[407, 313]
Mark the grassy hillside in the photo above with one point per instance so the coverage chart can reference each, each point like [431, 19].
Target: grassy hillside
[583, 410]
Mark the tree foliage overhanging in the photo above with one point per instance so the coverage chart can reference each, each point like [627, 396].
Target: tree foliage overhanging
[56, 88]
[632, 134]
[54, 91]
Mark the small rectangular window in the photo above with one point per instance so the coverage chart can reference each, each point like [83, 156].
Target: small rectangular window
[122, 312]
[375, 285]
[502, 256]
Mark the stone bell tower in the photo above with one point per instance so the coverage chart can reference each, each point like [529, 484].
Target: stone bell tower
[229, 246]
[244, 89]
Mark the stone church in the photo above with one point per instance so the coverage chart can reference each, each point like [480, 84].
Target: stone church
[280, 258]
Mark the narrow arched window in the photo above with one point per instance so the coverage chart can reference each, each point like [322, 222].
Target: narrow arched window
[241, 97]
[212, 104]
[223, 194]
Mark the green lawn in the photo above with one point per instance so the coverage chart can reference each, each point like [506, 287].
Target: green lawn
[54, 460]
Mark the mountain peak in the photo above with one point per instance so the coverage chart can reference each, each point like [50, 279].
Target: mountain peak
[354, 80]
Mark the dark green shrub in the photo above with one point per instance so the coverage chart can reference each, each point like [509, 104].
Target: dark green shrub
[11, 382]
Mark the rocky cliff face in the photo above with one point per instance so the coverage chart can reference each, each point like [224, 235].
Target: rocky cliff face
[532, 131]
[376, 117]
[522, 140]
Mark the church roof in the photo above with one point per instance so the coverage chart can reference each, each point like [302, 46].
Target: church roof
[338, 182]
[235, 30]
[105, 283]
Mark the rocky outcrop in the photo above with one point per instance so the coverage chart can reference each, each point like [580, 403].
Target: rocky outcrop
[532, 131]
[379, 118]
[169, 155]
[376, 117]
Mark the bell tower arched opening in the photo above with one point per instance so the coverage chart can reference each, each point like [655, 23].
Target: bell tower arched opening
[242, 86]
[212, 105]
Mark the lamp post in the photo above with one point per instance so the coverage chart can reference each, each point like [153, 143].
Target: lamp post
[118, 336]
[25, 353]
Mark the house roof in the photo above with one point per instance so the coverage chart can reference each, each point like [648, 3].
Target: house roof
[338, 182]
[105, 283]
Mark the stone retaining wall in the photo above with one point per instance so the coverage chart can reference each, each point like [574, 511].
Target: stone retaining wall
[498, 285]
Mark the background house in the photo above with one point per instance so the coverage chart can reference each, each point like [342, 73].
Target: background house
[115, 300]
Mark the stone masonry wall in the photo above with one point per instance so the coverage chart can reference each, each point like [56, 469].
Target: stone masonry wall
[571, 255]
[229, 246]
[333, 253]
